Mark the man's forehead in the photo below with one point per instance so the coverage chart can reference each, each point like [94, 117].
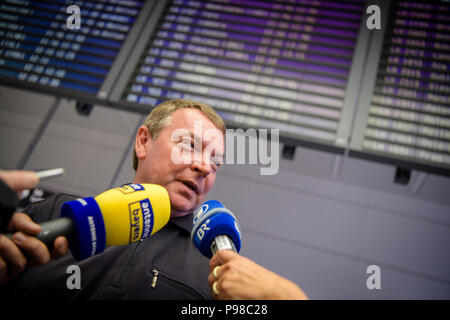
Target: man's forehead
[197, 124]
[186, 117]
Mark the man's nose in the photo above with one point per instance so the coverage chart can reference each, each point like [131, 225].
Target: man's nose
[203, 168]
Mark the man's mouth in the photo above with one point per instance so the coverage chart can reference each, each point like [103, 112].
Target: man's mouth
[191, 185]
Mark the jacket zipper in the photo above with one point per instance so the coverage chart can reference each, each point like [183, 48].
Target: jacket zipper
[156, 273]
[155, 278]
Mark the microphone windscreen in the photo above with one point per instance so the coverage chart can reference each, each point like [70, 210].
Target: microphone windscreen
[115, 217]
[142, 208]
[212, 219]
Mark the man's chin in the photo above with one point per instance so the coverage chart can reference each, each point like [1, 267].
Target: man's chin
[181, 206]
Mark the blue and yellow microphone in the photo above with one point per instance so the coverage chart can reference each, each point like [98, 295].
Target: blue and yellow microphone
[117, 216]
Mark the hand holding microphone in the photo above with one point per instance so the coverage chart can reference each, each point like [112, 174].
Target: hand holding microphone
[12, 260]
[215, 230]
[117, 216]
[231, 275]
[239, 278]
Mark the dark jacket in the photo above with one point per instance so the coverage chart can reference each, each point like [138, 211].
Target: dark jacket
[163, 266]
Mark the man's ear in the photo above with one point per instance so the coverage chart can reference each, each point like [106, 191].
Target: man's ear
[140, 145]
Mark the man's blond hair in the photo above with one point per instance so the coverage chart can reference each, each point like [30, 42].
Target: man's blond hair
[160, 118]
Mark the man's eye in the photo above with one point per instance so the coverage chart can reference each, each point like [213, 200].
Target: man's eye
[217, 161]
[188, 144]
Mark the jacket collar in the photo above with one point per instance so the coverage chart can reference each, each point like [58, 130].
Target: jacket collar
[184, 222]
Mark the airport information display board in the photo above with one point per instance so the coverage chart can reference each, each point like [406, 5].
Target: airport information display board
[408, 116]
[262, 64]
[38, 48]
[310, 68]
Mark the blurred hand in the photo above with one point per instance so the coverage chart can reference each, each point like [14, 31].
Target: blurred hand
[19, 180]
[239, 278]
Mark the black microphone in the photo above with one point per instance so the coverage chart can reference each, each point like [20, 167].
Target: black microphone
[52, 229]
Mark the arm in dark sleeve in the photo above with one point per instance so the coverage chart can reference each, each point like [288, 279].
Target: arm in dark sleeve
[8, 202]
[49, 208]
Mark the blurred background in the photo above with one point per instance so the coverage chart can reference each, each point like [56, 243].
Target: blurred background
[364, 122]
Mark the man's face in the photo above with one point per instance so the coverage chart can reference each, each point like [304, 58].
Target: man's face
[187, 182]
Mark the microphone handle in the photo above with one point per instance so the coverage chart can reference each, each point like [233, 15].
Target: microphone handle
[222, 242]
[51, 230]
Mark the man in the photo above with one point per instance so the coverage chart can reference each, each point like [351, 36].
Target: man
[164, 266]
[180, 146]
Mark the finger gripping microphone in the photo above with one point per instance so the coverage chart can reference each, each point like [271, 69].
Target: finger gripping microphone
[215, 228]
[117, 216]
